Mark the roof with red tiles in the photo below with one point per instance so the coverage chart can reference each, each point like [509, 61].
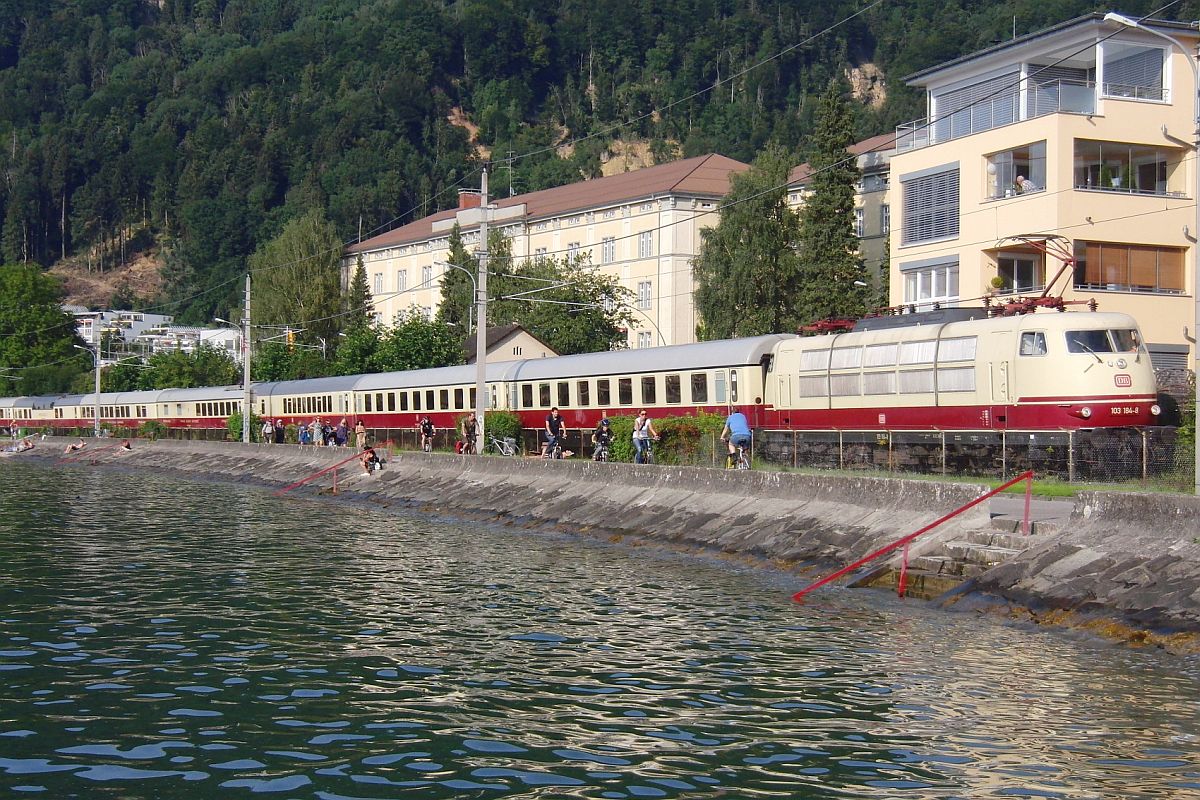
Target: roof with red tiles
[702, 176]
[876, 144]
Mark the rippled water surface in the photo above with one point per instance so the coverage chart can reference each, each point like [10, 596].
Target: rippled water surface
[168, 640]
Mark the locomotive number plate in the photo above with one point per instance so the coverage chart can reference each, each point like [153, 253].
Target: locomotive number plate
[1125, 411]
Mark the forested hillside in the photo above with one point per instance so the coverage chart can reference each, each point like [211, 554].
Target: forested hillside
[196, 128]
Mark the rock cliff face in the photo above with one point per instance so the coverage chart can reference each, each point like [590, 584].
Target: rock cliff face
[1126, 565]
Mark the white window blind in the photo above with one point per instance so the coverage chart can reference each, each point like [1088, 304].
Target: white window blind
[930, 207]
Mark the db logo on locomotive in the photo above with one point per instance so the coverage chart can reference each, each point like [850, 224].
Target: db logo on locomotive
[1123, 380]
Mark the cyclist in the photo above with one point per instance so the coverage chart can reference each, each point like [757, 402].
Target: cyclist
[643, 432]
[601, 438]
[556, 429]
[427, 429]
[735, 434]
[467, 429]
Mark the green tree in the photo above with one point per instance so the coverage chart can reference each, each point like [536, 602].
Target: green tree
[275, 361]
[356, 352]
[747, 273]
[359, 311]
[205, 366]
[415, 342]
[295, 279]
[457, 285]
[834, 276]
[37, 337]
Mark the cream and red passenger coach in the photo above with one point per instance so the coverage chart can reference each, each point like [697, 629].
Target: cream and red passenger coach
[1042, 371]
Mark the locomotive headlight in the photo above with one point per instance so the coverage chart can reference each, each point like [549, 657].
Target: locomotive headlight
[1120, 363]
[1085, 412]
[1155, 410]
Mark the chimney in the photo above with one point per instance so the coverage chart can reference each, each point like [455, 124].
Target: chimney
[468, 198]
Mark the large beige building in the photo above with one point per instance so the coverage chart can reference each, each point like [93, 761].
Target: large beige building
[1098, 120]
[642, 227]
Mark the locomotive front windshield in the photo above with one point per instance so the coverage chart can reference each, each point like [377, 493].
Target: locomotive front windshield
[1116, 340]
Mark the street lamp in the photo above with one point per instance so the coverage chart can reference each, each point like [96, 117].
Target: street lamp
[1121, 19]
[96, 361]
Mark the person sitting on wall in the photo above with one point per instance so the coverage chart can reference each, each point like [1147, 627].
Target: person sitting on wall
[370, 460]
[126, 446]
[72, 448]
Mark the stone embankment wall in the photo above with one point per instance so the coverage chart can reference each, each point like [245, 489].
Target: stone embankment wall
[1126, 557]
[1130, 559]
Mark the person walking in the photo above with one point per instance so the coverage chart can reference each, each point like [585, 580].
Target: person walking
[268, 432]
[360, 435]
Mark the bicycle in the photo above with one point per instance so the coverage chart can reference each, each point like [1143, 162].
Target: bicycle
[467, 447]
[648, 452]
[505, 447]
[427, 442]
[553, 448]
[600, 453]
[739, 459]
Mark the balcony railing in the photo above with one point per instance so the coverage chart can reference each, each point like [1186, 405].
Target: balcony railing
[1054, 97]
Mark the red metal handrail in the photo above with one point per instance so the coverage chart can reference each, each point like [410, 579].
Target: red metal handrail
[904, 541]
[303, 481]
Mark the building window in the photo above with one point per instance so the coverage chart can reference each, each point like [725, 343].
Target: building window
[885, 219]
[1133, 168]
[573, 250]
[539, 252]
[1021, 272]
[646, 244]
[645, 299]
[1128, 267]
[1027, 163]
[930, 207]
[517, 351]
[402, 280]
[377, 283]
[644, 340]
[608, 303]
[426, 276]
[928, 285]
[859, 218]
[608, 250]
[1133, 70]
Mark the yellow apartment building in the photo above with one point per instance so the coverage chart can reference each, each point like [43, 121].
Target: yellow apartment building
[1084, 130]
[641, 227]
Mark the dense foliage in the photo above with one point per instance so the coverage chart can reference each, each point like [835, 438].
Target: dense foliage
[34, 330]
[200, 127]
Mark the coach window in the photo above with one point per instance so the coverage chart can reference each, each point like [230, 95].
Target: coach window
[719, 386]
[625, 391]
[544, 395]
[564, 393]
[429, 406]
[648, 391]
[699, 387]
[603, 395]
[473, 404]
[379, 401]
[391, 401]
[416, 401]
[733, 394]
[527, 395]
[1033, 343]
[585, 396]
[444, 400]
[458, 399]
[673, 389]
[404, 401]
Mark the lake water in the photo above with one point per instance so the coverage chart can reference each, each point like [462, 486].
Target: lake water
[162, 639]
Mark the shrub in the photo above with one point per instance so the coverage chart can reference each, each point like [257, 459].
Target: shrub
[502, 424]
[152, 429]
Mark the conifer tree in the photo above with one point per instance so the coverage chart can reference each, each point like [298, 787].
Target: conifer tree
[829, 262]
[747, 272]
[360, 311]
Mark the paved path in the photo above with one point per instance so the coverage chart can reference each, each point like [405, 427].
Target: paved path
[1057, 511]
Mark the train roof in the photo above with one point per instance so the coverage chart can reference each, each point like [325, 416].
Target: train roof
[438, 376]
[201, 393]
[703, 355]
[333, 383]
[27, 401]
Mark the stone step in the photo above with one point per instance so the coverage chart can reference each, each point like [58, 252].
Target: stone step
[1036, 527]
[971, 553]
[998, 538]
[919, 583]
